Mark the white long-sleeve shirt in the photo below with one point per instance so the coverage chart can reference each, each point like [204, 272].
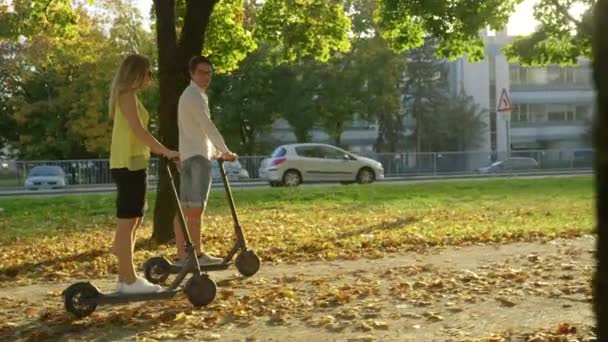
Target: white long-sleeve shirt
[197, 133]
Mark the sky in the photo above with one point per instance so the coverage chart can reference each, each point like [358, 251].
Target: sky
[521, 23]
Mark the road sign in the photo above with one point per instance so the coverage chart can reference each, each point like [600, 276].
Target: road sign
[504, 104]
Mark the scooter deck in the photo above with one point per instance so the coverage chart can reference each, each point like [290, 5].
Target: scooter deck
[174, 269]
[117, 297]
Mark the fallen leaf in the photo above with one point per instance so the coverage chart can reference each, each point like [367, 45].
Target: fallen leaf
[565, 329]
[380, 325]
[506, 301]
[211, 337]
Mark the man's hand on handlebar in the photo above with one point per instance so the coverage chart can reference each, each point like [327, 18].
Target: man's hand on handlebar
[229, 156]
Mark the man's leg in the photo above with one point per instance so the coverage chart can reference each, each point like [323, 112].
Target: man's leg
[193, 216]
[179, 238]
[195, 178]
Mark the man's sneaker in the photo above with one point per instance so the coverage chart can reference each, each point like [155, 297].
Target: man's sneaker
[140, 285]
[206, 259]
[203, 259]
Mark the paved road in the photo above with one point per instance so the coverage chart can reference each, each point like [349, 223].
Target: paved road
[217, 185]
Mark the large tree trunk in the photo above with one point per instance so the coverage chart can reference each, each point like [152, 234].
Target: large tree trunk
[600, 137]
[173, 56]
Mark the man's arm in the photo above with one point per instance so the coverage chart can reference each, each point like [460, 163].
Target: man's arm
[200, 109]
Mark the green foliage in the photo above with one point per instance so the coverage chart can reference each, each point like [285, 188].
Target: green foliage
[560, 38]
[59, 84]
[457, 126]
[382, 72]
[241, 103]
[456, 24]
[227, 40]
[300, 28]
[10, 89]
[443, 121]
[30, 17]
[295, 90]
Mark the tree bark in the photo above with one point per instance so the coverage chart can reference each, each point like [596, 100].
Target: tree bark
[173, 57]
[600, 140]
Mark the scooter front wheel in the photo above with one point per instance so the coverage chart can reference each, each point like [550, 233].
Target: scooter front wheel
[200, 290]
[157, 269]
[248, 263]
[80, 299]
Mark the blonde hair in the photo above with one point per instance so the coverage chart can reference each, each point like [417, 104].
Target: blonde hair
[129, 77]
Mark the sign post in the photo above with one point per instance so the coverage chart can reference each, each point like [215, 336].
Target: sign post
[505, 106]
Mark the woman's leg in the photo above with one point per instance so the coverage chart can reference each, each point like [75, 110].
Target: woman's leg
[138, 223]
[123, 249]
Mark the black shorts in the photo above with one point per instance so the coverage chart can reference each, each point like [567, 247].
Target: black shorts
[131, 192]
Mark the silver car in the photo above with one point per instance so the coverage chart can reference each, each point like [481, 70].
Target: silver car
[510, 165]
[293, 164]
[45, 176]
[234, 171]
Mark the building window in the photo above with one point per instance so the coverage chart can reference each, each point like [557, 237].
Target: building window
[536, 76]
[493, 143]
[536, 112]
[557, 112]
[568, 75]
[582, 113]
[519, 113]
[582, 75]
[523, 76]
[555, 75]
[514, 74]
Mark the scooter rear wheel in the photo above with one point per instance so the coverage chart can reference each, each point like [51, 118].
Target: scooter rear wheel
[200, 290]
[248, 263]
[79, 299]
[157, 269]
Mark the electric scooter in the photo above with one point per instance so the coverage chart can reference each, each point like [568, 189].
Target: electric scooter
[82, 298]
[157, 269]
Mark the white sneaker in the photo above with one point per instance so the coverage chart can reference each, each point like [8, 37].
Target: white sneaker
[140, 285]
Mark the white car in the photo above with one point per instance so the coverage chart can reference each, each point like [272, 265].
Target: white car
[234, 171]
[293, 164]
[45, 176]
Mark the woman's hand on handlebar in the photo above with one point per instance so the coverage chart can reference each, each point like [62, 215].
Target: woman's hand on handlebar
[172, 155]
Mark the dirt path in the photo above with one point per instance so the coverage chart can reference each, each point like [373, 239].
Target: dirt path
[450, 294]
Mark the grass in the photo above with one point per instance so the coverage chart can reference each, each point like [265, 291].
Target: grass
[311, 223]
[550, 204]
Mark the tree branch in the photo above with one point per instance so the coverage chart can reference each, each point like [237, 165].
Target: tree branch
[564, 11]
[192, 39]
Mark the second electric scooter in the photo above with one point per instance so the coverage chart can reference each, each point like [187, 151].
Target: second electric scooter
[157, 269]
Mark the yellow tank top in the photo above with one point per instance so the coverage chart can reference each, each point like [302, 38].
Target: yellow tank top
[127, 151]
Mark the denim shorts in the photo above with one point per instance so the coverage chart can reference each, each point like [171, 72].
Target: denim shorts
[195, 183]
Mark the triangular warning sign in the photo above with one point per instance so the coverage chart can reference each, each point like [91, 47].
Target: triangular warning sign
[504, 105]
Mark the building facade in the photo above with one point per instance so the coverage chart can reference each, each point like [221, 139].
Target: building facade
[550, 107]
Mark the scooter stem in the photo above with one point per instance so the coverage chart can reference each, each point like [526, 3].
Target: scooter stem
[241, 243]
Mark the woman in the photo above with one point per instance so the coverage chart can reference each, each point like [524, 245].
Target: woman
[129, 156]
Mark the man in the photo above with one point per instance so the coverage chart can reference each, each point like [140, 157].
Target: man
[199, 143]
